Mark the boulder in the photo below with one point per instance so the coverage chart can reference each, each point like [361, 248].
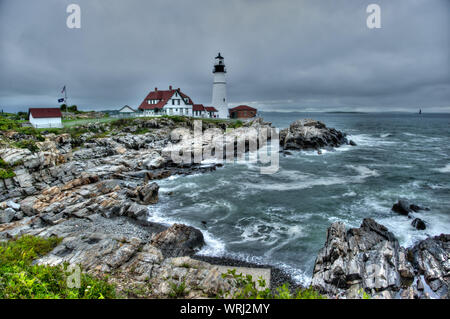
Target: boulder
[7, 215]
[418, 224]
[310, 134]
[178, 240]
[27, 205]
[147, 193]
[401, 207]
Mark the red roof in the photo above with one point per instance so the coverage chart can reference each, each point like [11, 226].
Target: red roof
[198, 107]
[243, 108]
[45, 112]
[163, 96]
[211, 109]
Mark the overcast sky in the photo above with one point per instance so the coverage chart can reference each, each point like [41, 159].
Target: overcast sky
[298, 55]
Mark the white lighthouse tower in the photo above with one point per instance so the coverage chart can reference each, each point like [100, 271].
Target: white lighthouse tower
[219, 94]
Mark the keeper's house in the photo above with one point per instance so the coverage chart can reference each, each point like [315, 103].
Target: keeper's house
[45, 117]
[242, 112]
[167, 102]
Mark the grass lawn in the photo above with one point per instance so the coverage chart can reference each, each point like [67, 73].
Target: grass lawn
[69, 123]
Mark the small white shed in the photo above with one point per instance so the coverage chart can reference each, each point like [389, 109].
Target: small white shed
[45, 117]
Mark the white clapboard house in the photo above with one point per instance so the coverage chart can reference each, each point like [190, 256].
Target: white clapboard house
[166, 102]
[45, 117]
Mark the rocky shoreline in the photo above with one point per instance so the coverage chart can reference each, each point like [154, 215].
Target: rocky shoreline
[93, 188]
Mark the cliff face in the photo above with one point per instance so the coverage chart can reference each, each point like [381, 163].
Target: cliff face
[370, 259]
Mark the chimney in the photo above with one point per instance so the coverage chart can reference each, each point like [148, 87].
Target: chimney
[156, 89]
[170, 87]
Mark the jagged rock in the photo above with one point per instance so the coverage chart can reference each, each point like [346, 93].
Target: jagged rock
[178, 240]
[310, 134]
[13, 205]
[431, 257]
[137, 211]
[371, 259]
[7, 215]
[148, 193]
[401, 207]
[367, 258]
[352, 143]
[27, 205]
[418, 224]
[417, 208]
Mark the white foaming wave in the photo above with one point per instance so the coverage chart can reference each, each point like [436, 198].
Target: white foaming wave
[292, 174]
[368, 140]
[349, 194]
[407, 235]
[364, 172]
[445, 169]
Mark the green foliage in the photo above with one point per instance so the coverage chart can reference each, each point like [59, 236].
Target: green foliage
[63, 108]
[7, 124]
[5, 170]
[28, 144]
[236, 124]
[141, 131]
[72, 109]
[19, 278]
[177, 290]
[6, 173]
[363, 294]
[247, 288]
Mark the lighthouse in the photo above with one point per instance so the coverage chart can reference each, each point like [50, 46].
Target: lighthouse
[219, 94]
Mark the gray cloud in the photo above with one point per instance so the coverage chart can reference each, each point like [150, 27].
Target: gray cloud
[281, 55]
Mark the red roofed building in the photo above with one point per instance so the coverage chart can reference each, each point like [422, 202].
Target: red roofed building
[242, 112]
[199, 110]
[45, 117]
[212, 111]
[167, 102]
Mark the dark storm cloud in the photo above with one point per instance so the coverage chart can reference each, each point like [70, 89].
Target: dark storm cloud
[281, 55]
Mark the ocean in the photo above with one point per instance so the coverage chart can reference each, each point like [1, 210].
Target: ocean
[281, 219]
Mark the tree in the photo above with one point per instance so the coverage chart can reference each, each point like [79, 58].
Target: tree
[72, 108]
[63, 107]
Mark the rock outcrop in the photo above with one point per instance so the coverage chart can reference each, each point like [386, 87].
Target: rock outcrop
[369, 259]
[310, 134]
[179, 240]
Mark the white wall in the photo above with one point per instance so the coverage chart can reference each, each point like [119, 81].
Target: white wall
[219, 95]
[47, 122]
[182, 109]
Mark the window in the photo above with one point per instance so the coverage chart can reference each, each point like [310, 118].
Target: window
[178, 101]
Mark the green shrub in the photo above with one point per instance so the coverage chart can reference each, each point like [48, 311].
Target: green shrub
[177, 290]
[20, 279]
[6, 173]
[5, 170]
[28, 144]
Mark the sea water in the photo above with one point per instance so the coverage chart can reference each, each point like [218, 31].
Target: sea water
[281, 219]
